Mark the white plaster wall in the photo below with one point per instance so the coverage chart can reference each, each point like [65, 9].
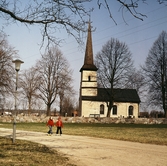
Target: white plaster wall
[86, 74]
[122, 109]
[89, 107]
[89, 92]
[89, 84]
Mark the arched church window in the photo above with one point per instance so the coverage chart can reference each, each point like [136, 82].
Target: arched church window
[130, 110]
[101, 109]
[114, 110]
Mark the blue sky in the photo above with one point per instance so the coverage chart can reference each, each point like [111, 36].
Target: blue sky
[138, 35]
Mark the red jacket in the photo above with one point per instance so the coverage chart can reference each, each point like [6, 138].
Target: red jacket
[59, 123]
[50, 122]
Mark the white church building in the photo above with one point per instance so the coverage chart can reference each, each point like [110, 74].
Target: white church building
[92, 100]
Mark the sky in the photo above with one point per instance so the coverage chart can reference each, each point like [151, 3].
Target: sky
[138, 35]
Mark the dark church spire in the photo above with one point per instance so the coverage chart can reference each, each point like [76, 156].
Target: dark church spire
[88, 62]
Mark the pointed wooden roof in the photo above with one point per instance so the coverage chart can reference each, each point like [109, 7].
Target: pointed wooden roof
[88, 61]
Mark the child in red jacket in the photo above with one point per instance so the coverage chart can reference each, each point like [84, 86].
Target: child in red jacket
[59, 125]
[50, 124]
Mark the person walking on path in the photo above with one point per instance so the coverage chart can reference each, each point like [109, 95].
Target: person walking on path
[50, 124]
[59, 125]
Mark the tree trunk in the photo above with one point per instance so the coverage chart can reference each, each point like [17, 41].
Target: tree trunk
[60, 107]
[109, 108]
[108, 112]
[48, 110]
[29, 107]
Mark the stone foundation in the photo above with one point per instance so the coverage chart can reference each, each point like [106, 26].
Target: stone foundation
[43, 119]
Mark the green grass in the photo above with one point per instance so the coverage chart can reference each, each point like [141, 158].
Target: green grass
[152, 134]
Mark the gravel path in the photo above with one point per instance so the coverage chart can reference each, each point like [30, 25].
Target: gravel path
[88, 151]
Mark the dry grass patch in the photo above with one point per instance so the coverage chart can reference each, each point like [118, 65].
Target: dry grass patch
[153, 134]
[25, 153]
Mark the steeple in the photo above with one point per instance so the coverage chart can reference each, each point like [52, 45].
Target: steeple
[88, 62]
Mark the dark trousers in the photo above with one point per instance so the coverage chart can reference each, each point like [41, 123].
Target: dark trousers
[59, 129]
[50, 130]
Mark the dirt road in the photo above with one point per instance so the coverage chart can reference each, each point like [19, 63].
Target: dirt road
[87, 151]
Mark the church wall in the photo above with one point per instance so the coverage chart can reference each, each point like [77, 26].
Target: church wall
[89, 107]
[89, 92]
[89, 84]
[92, 74]
[123, 109]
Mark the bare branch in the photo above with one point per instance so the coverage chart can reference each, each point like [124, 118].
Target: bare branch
[132, 9]
[51, 15]
[54, 15]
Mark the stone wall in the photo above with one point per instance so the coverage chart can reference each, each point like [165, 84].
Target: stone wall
[43, 119]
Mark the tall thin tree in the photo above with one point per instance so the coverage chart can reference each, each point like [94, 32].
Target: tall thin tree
[7, 53]
[30, 81]
[155, 70]
[114, 62]
[55, 73]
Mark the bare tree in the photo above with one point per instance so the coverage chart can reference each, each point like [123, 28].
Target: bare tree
[155, 70]
[66, 88]
[136, 80]
[7, 54]
[114, 63]
[30, 81]
[55, 73]
[68, 105]
[53, 15]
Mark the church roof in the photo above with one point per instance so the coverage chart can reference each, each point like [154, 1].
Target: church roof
[88, 61]
[120, 95]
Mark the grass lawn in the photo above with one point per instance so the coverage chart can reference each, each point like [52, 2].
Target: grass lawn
[24, 153]
[153, 134]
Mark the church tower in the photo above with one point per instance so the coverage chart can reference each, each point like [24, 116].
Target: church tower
[88, 84]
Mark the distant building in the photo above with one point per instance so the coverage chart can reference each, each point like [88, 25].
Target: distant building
[92, 100]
